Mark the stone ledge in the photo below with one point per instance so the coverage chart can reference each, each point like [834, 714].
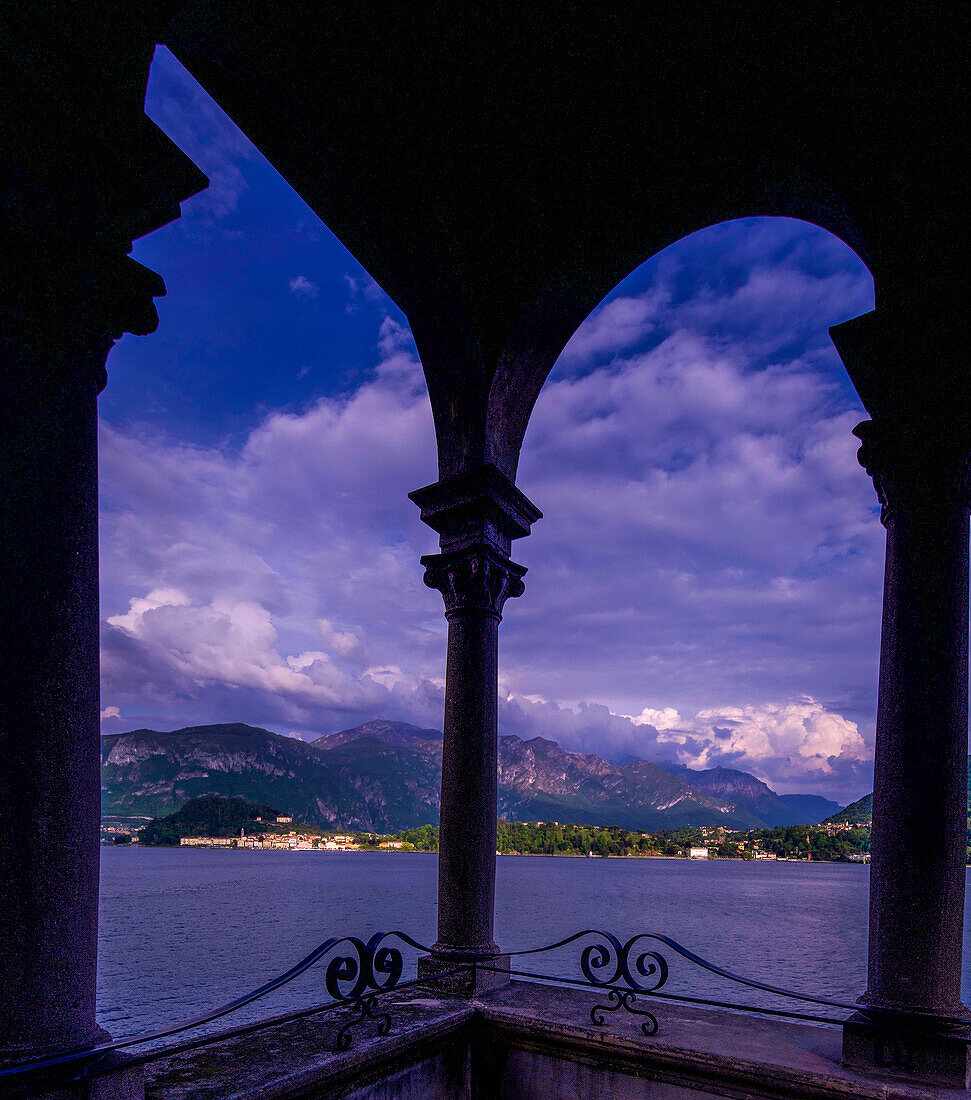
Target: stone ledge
[527, 1040]
[299, 1059]
[710, 1052]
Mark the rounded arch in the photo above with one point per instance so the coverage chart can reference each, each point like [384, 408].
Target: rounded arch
[561, 306]
[703, 503]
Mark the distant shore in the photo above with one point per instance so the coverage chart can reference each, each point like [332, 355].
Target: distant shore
[530, 855]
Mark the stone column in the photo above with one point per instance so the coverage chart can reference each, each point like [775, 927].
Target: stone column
[57, 325]
[477, 515]
[917, 873]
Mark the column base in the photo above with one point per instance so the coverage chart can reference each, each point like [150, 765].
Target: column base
[909, 1047]
[466, 983]
[122, 1081]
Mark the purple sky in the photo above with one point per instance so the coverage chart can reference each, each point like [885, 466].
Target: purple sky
[705, 586]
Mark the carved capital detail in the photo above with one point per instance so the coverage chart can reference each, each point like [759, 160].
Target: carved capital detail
[67, 307]
[912, 471]
[474, 579]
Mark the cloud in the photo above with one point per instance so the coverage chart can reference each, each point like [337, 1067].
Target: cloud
[798, 741]
[618, 324]
[302, 287]
[347, 643]
[664, 719]
[254, 583]
[234, 648]
[709, 535]
[195, 122]
[797, 745]
[362, 288]
[711, 547]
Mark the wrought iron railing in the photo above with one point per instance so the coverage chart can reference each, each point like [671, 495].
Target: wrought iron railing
[361, 974]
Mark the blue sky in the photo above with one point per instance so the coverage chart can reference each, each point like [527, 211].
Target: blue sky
[705, 586]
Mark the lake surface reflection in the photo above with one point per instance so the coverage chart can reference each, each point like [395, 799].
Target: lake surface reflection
[184, 931]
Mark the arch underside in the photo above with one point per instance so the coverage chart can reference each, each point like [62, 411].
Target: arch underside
[499, 174]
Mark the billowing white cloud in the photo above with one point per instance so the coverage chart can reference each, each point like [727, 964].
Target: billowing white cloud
[619, 324]
[268, 581]
[798, 745]
[226, 661]
[235, 645]
[800, 739]
[664, 719]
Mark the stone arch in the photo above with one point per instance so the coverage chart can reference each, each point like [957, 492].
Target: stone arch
[561, 306]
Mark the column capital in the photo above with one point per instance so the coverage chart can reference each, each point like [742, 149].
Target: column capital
[905, 369]
[64, 308]
[914, 470]
[477, 507]
[476, 578]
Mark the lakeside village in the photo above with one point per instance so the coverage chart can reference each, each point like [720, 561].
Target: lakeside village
[232, 823]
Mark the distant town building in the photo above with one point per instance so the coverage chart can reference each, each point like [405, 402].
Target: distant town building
[284, 820]
[697, 853]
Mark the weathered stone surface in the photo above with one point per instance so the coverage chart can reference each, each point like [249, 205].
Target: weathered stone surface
[917, 449]
[301, 1059]
[696, 1052]
[529, 1041]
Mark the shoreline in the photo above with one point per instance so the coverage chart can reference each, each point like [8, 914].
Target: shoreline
[531, 855]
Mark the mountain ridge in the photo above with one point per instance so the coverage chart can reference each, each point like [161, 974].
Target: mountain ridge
[383, 776]
[743, 790]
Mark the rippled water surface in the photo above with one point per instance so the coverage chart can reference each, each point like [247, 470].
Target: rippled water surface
[183, 931]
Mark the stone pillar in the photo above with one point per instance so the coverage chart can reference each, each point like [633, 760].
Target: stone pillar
[477, 515]
[57, 325]
[917, 873]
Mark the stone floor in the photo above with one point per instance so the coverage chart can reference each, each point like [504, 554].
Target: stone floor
[526, 1041]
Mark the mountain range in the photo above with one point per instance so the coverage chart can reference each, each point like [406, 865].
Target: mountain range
[384, 776]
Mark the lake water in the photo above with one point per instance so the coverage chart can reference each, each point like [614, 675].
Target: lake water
[184, 931]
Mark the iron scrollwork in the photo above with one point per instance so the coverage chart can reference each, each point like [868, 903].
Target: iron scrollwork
[624, 998]
[357, 973]
[617, 958]
[367, 1010]
[626, 970]
[371, 967]
[360, 977]
[610, 963]
[623, 970]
